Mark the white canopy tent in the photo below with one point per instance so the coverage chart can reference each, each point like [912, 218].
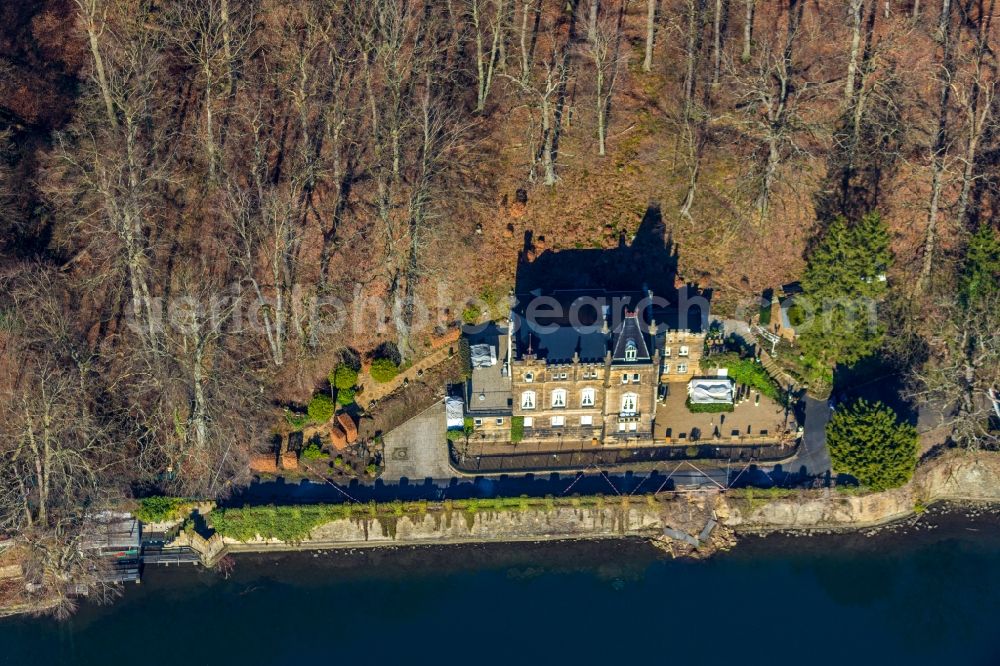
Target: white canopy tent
[711, 391]
[455, 412]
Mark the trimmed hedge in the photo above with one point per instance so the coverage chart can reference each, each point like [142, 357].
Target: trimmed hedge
[321, 408]
[383, 370]
[708, 409]
[345, 396]
[344, 377]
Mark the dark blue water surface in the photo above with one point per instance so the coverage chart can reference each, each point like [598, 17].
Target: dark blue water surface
[927, 596]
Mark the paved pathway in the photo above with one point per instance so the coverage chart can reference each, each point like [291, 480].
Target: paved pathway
[417, 450]
[376, 391]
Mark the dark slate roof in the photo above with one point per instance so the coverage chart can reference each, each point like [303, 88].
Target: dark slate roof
[558, 343]
[629, 330]
[693, 318]
[557, 324]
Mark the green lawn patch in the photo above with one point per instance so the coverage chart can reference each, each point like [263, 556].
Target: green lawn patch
[745, 371]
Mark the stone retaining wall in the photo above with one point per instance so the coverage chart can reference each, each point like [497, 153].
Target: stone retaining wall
[955, 476]
[640, 517]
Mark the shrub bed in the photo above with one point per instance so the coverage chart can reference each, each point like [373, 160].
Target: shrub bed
[746, 371]
[161, 509]
[516, 429]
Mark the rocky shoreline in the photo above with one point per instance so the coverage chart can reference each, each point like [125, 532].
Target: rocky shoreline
[694, 525]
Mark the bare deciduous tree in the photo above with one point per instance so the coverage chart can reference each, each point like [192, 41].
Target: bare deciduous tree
[489, 25]
[602, 48]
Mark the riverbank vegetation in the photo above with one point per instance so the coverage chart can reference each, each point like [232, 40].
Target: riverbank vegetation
[203, 203]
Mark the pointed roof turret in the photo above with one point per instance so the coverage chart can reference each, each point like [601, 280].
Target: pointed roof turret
[629, 342]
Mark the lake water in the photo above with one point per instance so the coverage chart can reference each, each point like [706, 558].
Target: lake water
[919, 596]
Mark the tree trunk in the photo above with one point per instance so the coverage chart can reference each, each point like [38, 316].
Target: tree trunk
[209, 125]
[548, 139]
[944, 20]
[976, 121]
[102, 78]
[227, 48]
[691, 54]
[525, 63]
[647, 63]
[717, 43]
[939, 152]
[592, 20]
[601, 109]
[748, 30]
[852, 63]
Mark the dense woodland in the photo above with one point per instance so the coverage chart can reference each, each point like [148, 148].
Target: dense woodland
[162, 155]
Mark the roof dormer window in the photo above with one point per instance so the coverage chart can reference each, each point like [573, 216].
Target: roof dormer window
[631, 351]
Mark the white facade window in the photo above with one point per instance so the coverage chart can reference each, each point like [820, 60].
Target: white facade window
[635, 378]
[529, 421]
[528, 400]
[587, 397]
[666, 368]
[500, 420]
[630, 350]
[682, 368]
[666, 351]
[621, 427]
[559, 398]
[563, 376]
[478, 422]
[683, 351]
[586, 420]
[528, 377]
[558, 421]
[632, 427]
[625, 378]
[629, 402]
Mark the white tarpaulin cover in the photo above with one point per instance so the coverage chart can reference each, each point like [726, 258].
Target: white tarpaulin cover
[709, 391]
[455, 412]
[483, 356]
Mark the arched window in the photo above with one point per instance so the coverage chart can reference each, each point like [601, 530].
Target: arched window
[630, 350]
[559, 398]
[629, 402]
[528, 400]
[587, 397]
